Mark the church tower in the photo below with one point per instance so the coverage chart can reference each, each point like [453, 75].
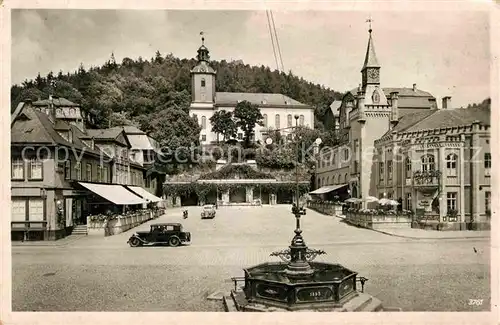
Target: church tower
[203, 78]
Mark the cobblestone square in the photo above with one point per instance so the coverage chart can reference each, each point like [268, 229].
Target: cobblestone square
[96, 273]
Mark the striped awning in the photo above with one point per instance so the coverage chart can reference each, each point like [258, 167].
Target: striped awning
[327, 189]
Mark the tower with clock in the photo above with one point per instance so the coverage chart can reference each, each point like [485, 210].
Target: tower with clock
[371, 68]
[203, 77]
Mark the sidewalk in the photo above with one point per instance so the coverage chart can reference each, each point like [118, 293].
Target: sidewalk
[54, 243]
[414, 233]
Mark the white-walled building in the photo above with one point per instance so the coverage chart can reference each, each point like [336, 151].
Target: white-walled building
[278, 110]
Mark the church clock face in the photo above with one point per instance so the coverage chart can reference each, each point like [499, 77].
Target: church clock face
[373, 74]
[202, 69]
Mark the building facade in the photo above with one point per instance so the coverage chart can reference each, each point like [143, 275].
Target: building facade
[277, 109]
[56, 162]
[396, 143]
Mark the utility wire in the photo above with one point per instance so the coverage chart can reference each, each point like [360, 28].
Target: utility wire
[277, 41]
[272, 40]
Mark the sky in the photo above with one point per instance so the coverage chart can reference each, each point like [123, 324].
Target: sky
[446, 53]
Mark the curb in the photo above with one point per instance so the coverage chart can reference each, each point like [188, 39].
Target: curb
[427, 238]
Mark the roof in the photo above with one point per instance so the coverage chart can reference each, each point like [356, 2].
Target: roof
[402, 92]
[105, 134]
[256, 99]
[166, 224]
[57, 101]
[139, 141]
[335, 106]
[443, 118]
[203, 67]
[40, 129]
[370, 57]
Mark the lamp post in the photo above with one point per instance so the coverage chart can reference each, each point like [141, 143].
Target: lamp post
[298, 266]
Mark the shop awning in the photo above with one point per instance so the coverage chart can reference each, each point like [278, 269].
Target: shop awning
[144, 194]
[114, 193]
[327, 189]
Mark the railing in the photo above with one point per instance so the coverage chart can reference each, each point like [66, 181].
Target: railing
[236, 280]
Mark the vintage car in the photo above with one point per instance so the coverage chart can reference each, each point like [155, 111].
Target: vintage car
[161, 233]
[208, 211]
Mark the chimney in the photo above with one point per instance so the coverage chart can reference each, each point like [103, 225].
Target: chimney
[394, 107]
[52, 110]
[446, 102]
[414, 87]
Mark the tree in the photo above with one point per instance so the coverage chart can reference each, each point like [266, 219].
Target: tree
[223, 123]
[246, 116]
[121, 119]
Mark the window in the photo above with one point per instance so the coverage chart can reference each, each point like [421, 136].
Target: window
[277, 121]
[203, 82]
[408, 201]
[334, 160]
[148, 181]
[389, 170]
[451, 165]
[345, 179]
[356, 166]
[88, 172]
[319, 182]
[381, 171]
[17, 169]
[487, 201]
[99, 173]
[203, 137]
[408, 167]
[78, 168]
[104, 174]
[67, 169]
[264, 120]
[18, 210]
[451, 201]
[289, 120]
[346, 154]
[35, 210]
[203, 122]
[487, 163]
[301, 120]
[35, 170]
[328, 180]
[240, 136]
[428, 163]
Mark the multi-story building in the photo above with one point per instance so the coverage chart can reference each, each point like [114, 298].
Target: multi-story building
[376, 124]
[61, 172]
[277, 110]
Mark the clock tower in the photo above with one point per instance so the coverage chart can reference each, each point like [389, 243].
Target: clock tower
[203, 77]
[371, 69]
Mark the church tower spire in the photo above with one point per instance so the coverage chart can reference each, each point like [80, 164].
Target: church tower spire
[203, 53]
[371, 68]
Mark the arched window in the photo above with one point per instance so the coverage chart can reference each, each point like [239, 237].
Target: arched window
[264, 120]
[319, 182]
[345, 179]
[408, 167]
[451, 164]
[428, 163]
[328, 180]
[203, 82]
[277, 121]
[289, 120]
[203, 122]
[301, 120]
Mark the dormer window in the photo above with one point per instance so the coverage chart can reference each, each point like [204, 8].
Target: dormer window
[203, 82]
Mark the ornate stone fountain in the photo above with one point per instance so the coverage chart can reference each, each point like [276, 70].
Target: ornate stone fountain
[298, 283]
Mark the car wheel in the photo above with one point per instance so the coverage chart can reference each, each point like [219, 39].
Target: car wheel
[174, 241]
[134, 242]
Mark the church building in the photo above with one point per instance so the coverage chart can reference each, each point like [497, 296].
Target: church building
[277, 110]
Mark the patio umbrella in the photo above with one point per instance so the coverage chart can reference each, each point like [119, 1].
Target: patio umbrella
[384, 201]
[353, 200]
[370, 199]
[393, 202]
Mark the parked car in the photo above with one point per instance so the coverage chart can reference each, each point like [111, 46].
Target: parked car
[161, 233]
[208, 211]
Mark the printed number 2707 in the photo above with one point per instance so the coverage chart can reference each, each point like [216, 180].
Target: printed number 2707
[475, 302]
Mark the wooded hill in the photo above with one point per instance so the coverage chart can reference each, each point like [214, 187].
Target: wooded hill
[138, 90]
